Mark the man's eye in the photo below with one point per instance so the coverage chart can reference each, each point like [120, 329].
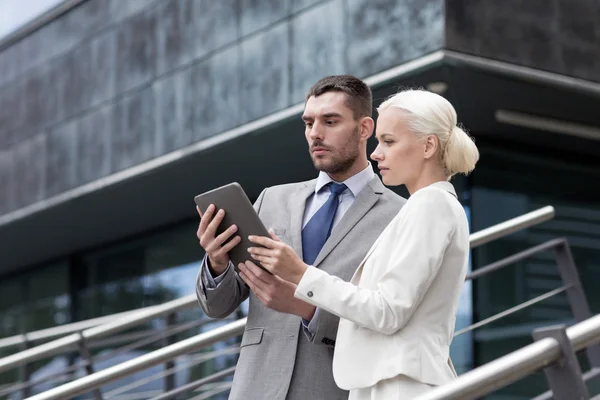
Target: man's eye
[330, 122]
[308, 124]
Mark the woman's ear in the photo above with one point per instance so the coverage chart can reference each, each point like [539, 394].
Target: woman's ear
[431, 145]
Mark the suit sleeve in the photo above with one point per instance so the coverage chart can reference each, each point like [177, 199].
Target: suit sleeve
[221, 300]
[419, 240]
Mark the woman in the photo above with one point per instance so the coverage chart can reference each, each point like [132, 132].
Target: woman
[397, 314]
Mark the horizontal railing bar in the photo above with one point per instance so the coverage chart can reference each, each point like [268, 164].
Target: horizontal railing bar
[516, 365]
[513, 310]
[511, 226]
[515, 258]
[56, 346]
[97, 379]
[587, 376]
[223, 387]
[196, 360]
[194, 385]
[62, 330]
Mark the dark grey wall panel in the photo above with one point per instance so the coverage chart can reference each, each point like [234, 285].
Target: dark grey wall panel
[560, 36]
[94, 145]
[174, 111]
[61, 155]
[318, 46]
[259, 14]
[134, 132]
[217, 101]
[385, 33]
[136, 51]
[265, 73]
[7, 192]
[29, 169]
[297, 5]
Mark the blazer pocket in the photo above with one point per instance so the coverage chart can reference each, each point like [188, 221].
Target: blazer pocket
[278, 231]
[252, 336]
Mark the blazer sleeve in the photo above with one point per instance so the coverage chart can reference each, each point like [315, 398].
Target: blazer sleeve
[229, 293]
[414, 253]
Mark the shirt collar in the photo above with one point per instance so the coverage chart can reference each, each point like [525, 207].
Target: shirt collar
[355, 183]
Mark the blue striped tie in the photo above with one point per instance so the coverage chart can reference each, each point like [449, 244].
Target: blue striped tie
[318, 229]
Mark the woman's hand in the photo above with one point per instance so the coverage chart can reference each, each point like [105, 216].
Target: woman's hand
[278, 258]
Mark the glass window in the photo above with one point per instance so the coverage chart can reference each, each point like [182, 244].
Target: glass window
[506, 184]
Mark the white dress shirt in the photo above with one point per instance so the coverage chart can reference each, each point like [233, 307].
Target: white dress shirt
[355, 184]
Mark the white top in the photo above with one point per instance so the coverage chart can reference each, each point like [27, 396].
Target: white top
[398, 311]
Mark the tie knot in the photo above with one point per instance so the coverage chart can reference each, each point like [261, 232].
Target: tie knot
[337, 188]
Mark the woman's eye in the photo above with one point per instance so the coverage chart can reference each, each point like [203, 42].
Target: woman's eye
[388, 142]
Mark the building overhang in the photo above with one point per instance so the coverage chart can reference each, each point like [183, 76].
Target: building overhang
[493, 99]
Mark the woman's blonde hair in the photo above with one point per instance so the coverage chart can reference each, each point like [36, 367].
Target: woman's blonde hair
[431, 114]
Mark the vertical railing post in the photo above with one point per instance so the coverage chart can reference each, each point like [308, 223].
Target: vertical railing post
[575, 294]
[25, 370]
[89, 363]
[563, 376]
[170, 321]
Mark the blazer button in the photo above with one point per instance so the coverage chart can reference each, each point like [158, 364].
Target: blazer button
[309, 294]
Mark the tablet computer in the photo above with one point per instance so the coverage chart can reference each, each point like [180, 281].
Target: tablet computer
[238, 211]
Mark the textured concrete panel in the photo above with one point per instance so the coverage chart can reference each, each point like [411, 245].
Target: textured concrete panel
[136, 51]
[217, 24]
[188, 29]
[259, 14]
[90, 71]
[11, 111]
[297, 5]
[426, 27]
[174, 111]
[578, 22]
[318, 46]
[61, 153]
[508, 39]
[120, 10]
[29, 170]
[385, 33]
[93, 145]
[561, 36]
[43, 98]
[133, 138]
[265, 73]
[215, 85]
[7, 200]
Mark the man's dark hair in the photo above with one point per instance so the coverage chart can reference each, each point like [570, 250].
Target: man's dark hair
[358, 94]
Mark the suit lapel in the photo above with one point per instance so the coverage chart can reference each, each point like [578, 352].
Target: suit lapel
[365, 200]
[298, 204]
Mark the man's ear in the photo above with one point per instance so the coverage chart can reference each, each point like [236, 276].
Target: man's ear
[366, 127]
[432, 145]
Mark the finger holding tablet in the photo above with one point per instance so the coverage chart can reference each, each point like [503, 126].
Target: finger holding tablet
[217, 246]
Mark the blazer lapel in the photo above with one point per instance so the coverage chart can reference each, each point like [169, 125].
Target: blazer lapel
[365, 200]
[297, 204]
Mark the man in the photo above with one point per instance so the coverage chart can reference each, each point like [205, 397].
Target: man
[332, 221]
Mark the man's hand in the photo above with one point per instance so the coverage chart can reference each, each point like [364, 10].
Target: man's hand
[274, 292]
[216, 251]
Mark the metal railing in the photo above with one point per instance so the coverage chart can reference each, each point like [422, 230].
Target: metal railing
[520, 363]
[97, 379]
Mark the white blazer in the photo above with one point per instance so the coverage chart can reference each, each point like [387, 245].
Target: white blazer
[399, 309]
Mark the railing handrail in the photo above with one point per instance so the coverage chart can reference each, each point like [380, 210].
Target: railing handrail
[515, 365]
[117, 325]
[63, 330]
[56, 346]
[511, 226]
[97, 379]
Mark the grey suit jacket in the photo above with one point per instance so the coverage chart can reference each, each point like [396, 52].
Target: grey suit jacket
[277, 361]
